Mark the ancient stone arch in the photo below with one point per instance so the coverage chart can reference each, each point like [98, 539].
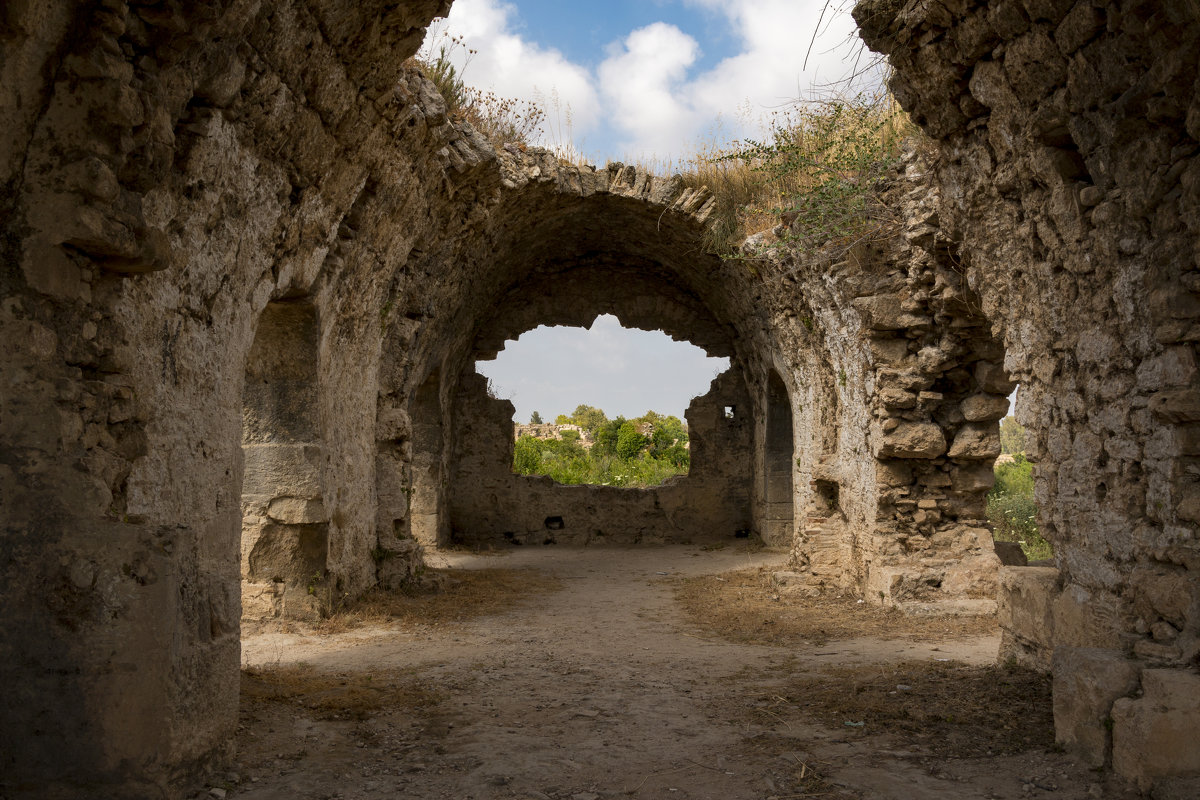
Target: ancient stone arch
[170, 173]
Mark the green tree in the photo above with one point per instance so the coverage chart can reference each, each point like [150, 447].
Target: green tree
[535, 419]
[527, 455]
[668, 432]
[1012, 436]
[562, 419]
[589, 418]
[607, 436]
[630, 442]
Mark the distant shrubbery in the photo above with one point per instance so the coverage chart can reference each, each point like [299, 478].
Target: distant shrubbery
[1011, 510]
[621, 454]
[1012, 437]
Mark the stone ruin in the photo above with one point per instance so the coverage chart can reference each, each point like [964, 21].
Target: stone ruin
[249, 265]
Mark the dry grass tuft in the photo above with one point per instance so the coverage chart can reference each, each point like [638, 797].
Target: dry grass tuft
[338, 695]
[818, 166]
[950, 710]
[443, 597]
[746, 607]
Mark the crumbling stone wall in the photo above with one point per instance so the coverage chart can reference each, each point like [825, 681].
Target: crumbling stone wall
[1067, 135]
[895, 390]
[168, 170]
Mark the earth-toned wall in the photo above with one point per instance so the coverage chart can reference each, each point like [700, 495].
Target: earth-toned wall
[176, 179]
[1067, 178]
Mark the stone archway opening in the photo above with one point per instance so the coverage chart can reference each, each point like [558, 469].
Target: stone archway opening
[285, 527]
[492, 506]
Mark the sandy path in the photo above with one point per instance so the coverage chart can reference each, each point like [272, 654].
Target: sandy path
[600, 690]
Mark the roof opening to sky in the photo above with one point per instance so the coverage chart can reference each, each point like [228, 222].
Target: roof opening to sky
[652, 81]
[611, 400]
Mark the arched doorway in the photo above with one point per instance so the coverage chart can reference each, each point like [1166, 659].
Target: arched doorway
[778, 462]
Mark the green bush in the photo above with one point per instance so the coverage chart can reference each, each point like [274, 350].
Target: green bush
[630, 442]
[1012, 512]
[1015, 478]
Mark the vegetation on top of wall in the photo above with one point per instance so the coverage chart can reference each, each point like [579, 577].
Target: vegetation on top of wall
[502, 120]
[819, 166]
[629, 453]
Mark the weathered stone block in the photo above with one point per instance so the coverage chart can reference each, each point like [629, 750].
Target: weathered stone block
[896, 397]
[778, 532]
[889, 351]
[1177, 405]
[1011, 554]
[1034, 65]
[1025, 599]
[912, 440]
[976, 442]
[1088, 617]
[893, 473]
[261, 601]
[289, 553]
[1165, 591]
[1175, 366]
[886, 313]
[1087, 680]
[1079, 25]
[1155, 736]
[984, 408]
[294, 468]
[973, 478]
[993, 379]
[973, 576]
[297, 510]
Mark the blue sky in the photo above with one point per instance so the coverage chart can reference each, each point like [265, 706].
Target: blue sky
[585, 33]
[648, 80]
[653, 79]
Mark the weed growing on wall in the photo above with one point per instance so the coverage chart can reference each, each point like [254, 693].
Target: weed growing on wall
[819, 167]
[502, 120]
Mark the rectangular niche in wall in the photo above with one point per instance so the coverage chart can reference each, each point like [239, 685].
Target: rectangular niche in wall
[284, 521]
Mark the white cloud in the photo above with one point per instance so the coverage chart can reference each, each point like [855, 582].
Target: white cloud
[768, 73]
[513, 67]
[646, 99]
[644, 83]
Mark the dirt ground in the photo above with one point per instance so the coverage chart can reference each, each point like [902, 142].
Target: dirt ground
[631, 673]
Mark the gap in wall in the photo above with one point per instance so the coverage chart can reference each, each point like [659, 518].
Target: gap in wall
[603, 405]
